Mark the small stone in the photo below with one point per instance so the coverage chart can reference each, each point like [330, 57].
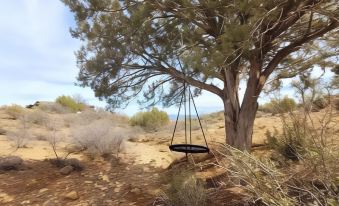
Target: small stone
[117, 189]
[88, 182]
[105, 178]
[25, 202]
[66, 170]
[5, 198]
[10, 162]
[73, 195]
[136, 191]
[43, 190]
[49, 203]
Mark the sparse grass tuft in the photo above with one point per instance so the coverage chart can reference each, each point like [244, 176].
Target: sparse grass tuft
[184, 189]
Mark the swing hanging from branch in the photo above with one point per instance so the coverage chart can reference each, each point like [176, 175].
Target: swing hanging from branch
[188, 147]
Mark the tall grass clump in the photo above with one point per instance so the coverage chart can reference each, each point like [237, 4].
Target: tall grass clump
[265, 184]
[70, 103]
[150, 120]
[184, 189]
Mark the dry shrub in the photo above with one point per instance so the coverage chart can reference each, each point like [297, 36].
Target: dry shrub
[262, 182]
[54, 108]
[88, 116]
[21, 136]
[14, 111]
[100, 138]
[265, 184]
[38, 117]
[184, 189]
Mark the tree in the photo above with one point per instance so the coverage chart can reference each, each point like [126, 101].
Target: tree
[132, 47]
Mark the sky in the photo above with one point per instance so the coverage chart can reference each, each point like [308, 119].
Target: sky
[37, 60]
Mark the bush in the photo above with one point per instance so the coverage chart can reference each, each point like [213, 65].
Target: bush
[54, 108]
[150, 120]
[99, 138]
[184, 189]
[38, 117]
[266, 185]
[14, 111]
[279, 106]
[320, 103]
[70, 103]
[21, 135]
[291, 142]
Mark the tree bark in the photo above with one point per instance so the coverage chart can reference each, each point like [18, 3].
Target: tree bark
[239, 120]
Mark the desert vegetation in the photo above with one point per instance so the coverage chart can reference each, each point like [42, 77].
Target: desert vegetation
[150, 120]
[282, 152]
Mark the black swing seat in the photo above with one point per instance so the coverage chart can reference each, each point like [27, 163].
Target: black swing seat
[189, 148]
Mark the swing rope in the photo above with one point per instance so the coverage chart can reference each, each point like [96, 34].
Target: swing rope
[188, 148]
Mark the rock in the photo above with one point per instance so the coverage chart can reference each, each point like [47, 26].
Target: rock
[136, 191]
[66, 170]
[5, 198]
[117, 189]
[10, 162]
[25, 202]
[2, 131]
[49, 203]
[75, 163]
[73, 195]
[88, 182]
[43, 190]
[105, 178]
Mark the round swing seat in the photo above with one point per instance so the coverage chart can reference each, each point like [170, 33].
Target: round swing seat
[189, 148]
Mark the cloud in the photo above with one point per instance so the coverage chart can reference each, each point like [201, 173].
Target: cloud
[37, 52]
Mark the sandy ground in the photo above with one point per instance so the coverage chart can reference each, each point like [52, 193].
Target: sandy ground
[135, 181]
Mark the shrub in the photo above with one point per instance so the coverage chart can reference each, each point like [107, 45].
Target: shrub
[320, 103]
[279, 106]
[54, 108]
[14, 111]
[38, 117]
[70, 103]
[266, 185]
[184, 189]
[291, 142]
[150, 120]
[21, 135]
[99, 138]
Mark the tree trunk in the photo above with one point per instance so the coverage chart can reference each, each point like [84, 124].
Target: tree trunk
[239, 130]
[239, 120]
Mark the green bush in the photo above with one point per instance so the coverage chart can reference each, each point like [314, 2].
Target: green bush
[14, 111]
[279, 106]
[150, 120]
[70, 103]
